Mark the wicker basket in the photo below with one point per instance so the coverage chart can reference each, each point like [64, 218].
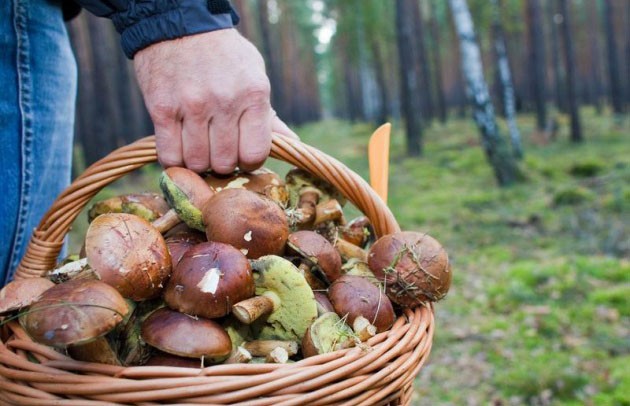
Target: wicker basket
[381, 373]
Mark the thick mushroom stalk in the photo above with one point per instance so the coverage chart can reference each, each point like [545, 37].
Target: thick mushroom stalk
[350, 251]
[294, 303]
[413, 267]
[187, 193]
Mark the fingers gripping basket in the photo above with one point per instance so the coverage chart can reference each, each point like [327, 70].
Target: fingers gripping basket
[380, 373]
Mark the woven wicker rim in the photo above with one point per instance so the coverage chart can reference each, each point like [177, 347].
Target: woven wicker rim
[380, 372]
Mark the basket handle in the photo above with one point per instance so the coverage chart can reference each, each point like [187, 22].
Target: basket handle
[47, 239]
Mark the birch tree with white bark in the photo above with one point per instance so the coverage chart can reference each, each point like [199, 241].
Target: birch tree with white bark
[497, 152]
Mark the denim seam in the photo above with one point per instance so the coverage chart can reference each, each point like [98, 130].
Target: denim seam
[26, 110]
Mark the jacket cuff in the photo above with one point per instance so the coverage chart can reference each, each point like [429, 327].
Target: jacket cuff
[187, 18]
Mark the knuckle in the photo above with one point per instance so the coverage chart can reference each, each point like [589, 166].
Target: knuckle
[258, 93]
[194, 104]
[162, 113]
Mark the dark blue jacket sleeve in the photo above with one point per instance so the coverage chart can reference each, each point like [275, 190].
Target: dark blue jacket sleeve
[145, 22]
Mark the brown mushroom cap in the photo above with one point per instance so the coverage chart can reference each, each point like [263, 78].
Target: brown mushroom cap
[181, 242]
[129, 254]
[186, 336]
[250, 222]
[262, 181]
[412, 266]
[74, 312]
[209, 279]
[21, 293]
[355, 296]
[320, 253]
[323, 303]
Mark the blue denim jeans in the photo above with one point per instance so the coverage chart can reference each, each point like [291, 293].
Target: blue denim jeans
[38, 79]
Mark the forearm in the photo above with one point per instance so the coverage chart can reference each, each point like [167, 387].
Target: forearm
[144, 22]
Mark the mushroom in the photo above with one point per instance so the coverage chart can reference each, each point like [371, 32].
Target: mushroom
[262, 348]
[323, 303]
[413, 267]
[164, 359]
[262, 181]
[126, 252]
[247, 221]
[317, 254]
[209, 278]
[74, 313]
[327, 334]
[349, 251]
[288, 301]
[181, 242]
[305, 193]
[187, 193]
[126, 337]
[98, 350]
[358, 231]
[72, 270]
[363, 304]
[359, 268]
[149, 206]
[21, 293]
[329, 211]
[186, 336]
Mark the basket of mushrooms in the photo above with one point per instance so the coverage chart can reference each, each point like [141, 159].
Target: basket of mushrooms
[248, 289]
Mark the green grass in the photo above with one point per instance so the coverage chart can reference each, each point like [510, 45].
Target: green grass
[539, 310]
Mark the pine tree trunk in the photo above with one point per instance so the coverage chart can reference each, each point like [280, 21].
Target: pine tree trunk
[422, 60]
[537, 61]
[554, 19]
[409, 86]
[613, 65]
[505, 78]
[379, 68]
[594, 55]
[437, 64]
[505, 169]
[569, 62]
[274, 69]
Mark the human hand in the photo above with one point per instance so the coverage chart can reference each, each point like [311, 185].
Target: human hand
[208, 97]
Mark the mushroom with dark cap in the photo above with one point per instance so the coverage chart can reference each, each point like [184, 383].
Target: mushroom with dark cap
[74, 313]
[317, 254]
[363, 304]
[246, 220]
[263, 181]
[149, 206]
[186, 336]
[413, 267]
[126, 252]
[22, 293]
[208, 280]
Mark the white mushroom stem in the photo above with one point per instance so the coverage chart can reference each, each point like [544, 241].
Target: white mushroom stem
[278, 356]
[348, 250]
[328, 211]
[239, 355]
[363, 328]
[248, 310]
[169, 220]
[262, 348]
[309, 197]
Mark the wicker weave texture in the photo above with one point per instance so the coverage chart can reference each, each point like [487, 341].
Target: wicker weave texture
[379, 372]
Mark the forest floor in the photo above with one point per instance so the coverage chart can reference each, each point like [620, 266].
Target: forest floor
[539, 310]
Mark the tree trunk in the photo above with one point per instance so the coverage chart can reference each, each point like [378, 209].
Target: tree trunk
[537, 61]
[555, 20]
[613, 66]
[594, 55]
[381, 82]
[274, 69]
[505, 169]
[409, 86]
[505, 78]
[569, 62]
[422, 60]
[437, 64]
